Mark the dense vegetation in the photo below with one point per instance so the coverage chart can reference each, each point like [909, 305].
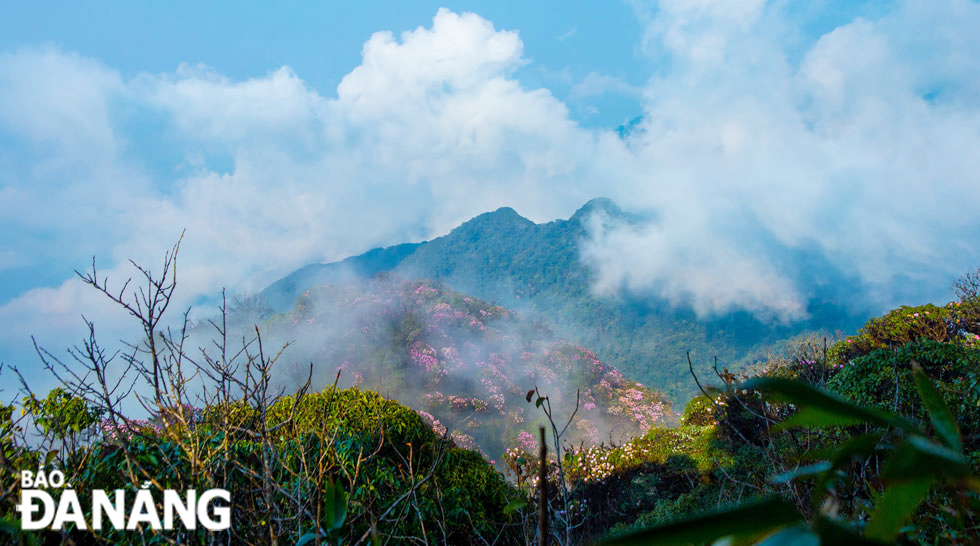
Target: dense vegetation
[839, 465]
[337, 462]
[868, 439]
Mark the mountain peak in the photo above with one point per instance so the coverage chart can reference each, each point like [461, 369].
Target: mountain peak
[599, 204]
[506, 212]
[504, 217]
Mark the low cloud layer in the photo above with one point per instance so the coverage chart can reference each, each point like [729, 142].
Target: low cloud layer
[859, 148]
[856, 144]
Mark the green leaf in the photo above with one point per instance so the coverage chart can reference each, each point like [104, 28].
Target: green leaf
[862, 445]
[14, 528]
[538, 402]
[942, 419]
[797, 535]
[801, 471]
[818, 408]
[895, 507]
[837, 532]
[750, 518]
[334, 506]
[109, 456]
[919, 457]
[514, 506]
[9, 526]
[815, 417]
[308, 537]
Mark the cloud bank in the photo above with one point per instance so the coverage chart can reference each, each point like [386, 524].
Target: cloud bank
[856, 144]
[860, 148]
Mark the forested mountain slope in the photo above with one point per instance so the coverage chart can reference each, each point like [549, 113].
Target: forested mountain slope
[536, 268]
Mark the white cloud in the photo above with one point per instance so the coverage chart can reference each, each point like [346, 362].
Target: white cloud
[843, 148]
[649, 259]
[58, 100]
[206, 105]
[595, 84]
[862, 148]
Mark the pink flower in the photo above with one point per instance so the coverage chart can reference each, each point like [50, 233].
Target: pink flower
[526, 441]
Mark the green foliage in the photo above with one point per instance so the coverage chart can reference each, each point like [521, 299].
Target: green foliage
[381, 460]
[61, 413]
[905, 325]
[884, 379]
[666, 508]
[872, 474]
[699, 411]
[756, 518]
[665, 473]
[359, 415]
[914, 464]
[886, 454]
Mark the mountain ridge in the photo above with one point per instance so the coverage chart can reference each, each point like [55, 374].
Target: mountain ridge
[502, 257]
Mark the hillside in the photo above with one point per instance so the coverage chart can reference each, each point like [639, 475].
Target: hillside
[535, 268]
[464, 364]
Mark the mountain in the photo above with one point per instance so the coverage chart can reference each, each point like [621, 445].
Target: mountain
[281, 294]
[534, 268]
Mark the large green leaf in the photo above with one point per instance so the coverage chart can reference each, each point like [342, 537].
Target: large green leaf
[919, 457]
[818, 408]
[306, 539]
[334, 506]
[942, 419]
[837, 532]
[856, 447]
[817, 417]
[752, 518]
[895, 507]
[798, 535]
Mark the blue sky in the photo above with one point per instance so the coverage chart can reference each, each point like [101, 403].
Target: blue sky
[321, 41]
[306, 132]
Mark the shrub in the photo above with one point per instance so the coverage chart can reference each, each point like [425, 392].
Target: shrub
[699, 411]
[883, 379]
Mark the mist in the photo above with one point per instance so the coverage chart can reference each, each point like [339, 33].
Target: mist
[464, 364]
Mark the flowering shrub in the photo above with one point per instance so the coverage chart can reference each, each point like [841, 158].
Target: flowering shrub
[467, 363]
[125, 429]
[905, 325]
[699, 411]
[883, 378]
